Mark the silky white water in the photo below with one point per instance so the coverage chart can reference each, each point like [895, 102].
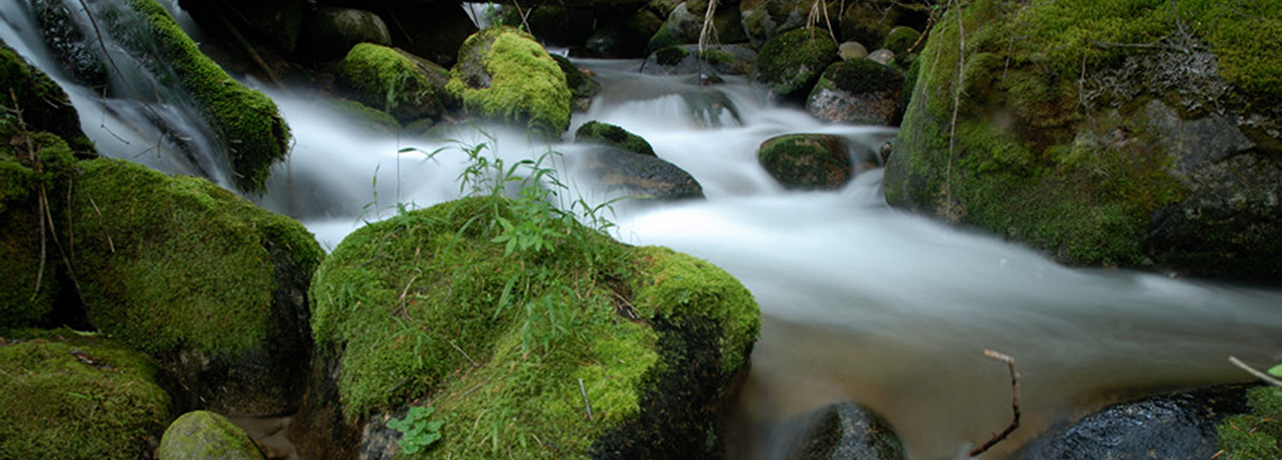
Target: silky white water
[859, 301]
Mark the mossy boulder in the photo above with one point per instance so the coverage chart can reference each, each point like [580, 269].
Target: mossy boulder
[205, 280]
[684, 24]
[204, 435]
[857, 91]
[44, 105]
[712, 60]
[247, 124]
[791, 63]
[1165, 155]
[807, 161]
[74, 398]
[330, 32]
[401, 84]
[900, 39]
[765, 19]
[623, 173]
[614, 136]
[503, 74]
[425, 309]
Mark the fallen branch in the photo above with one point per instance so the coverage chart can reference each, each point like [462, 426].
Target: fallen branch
[586, 403]
[1014, 404]
[1271, 380]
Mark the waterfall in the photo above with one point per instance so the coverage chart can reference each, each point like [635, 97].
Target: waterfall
[859, 301]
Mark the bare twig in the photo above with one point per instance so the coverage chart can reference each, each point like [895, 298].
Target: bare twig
[465, 355]
[959, 83]
[42, 201]
[1271, 380]
[586, 403]
[1014, 404]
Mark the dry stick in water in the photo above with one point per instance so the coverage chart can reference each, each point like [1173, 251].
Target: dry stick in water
[1014, 404]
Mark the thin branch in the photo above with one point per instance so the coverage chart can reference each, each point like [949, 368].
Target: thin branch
[1271, 380]
[1014, 404]
[586, 403]
[465, 355]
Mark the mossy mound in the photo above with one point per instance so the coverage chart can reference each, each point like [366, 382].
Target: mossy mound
[791, 63]
[900, 39]
[253, 134]
[503, 74]
[807, 161]
[614, 136]
[1257, 434]
[403, 85]
[1107, 136]
[79, 398]
[426, 309]
[204, 435]
[187, 271]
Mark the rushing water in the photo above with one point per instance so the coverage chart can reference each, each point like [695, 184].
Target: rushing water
[860, 301]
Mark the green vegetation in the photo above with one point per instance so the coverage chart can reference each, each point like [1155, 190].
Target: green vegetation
[492, 309]
[608, 134]
[78, 397]
[900, 39]
[504, 74]
[169, 262]
[806, 161]
[45, 106]
[417, 433]
[247, 123]
[389, 80]
[1025, 157]
[792, 61]
[204, 434]
[1256, 435]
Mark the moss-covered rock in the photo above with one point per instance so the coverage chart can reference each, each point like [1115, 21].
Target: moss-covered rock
[1257, 434]
[791, 63]
[204, 435]
[79, 398]
[900, 39]
[858, 91]
[426, 309]
[189, 272]
[807, 161]
[248, 125]
[582, 87]
[504, 75]
[399, 83]
[764, 19]
[612, 135]
[44, 105]
[712, 60]
[684, 25]
[627, 38]
[1160, 155]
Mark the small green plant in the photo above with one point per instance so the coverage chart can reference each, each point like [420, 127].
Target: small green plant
[417, 433]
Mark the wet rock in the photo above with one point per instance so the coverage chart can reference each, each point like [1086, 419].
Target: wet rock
[332, 32]
[68, 41]
[882, 56]
[432, 30]
[204, 435]
[401, 84]
[687, 60]
[625, 39]
[640, 176]
[841, 431]
[276, 23]
[45, 106]
[79, 397]
[684, 25]
[792, 62]
[506, 76]
[1174, 427]
[807, 161]
[858, 91]
[613, 136]
[765, 19]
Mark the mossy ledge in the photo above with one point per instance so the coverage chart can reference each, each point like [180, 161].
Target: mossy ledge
[1043, 150]
[425, 309]
[248, 124]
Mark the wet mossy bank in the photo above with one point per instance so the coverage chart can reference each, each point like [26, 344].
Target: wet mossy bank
[1127, 133]
[426, 309]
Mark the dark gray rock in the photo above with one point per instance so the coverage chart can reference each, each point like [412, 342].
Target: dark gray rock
[841, 431]
[332, 32]
[687, 60]
[629, 38]
[1173, 427]
[637, 175]
[858, 91]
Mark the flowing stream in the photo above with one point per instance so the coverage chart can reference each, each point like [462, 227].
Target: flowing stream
[860, 301]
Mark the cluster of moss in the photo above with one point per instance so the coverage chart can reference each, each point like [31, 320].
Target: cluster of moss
[1255, 435]
[186, 264]
[247, 123]
[42, 102]
[425, 308]
[806, 161]
[78, 398]
[391, 81]
[792, 62]
[524, 83]
[1026, 159]
[608, 134]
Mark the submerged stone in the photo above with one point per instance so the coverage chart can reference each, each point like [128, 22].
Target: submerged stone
[841, 431]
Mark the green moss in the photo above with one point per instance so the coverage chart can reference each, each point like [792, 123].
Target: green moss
[525, 83]
[391, 81]
[608, 134]
[806, 161]
[250, 128]
[792, 62]
[169, 262]
[44, 106]
[1255, 435]
[204, 434]
[425, 308]
[900, 39]
[78, 398]
[671, 55]
[859, 76]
